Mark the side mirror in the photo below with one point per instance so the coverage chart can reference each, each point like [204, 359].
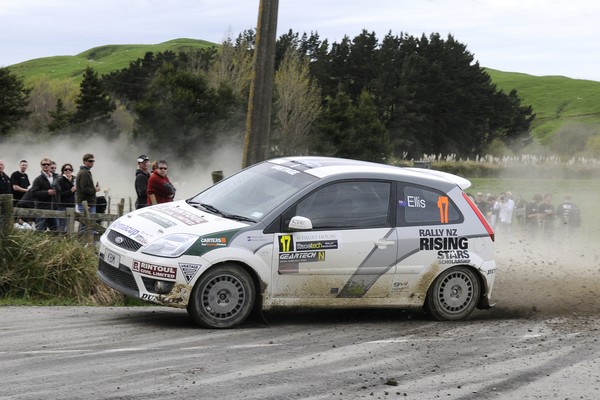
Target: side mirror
[298, 223]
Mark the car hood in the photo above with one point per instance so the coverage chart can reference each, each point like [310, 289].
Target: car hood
[150, 223]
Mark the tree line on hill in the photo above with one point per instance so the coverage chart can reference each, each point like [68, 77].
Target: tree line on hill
[360, 98]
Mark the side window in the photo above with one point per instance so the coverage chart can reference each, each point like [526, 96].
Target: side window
[419, 205]
[348, 205]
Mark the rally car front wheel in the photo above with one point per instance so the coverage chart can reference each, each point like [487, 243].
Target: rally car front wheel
[222, 298]
[454, 294]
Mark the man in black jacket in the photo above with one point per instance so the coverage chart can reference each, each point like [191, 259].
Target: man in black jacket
[45, 194]
[141, 181]
[5, 187]
[84, 183]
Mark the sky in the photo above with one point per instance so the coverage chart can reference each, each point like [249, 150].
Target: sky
[536, 37]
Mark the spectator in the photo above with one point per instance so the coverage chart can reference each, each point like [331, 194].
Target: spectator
[20, 182]
[141, 181]
[569, 216]
[546, 211]
[159, 185]
[520, 205]
[505, 206]
[45, 194]
[5, 187]
[84, 183]
[481, 203]
[66, 186]
[533, 216]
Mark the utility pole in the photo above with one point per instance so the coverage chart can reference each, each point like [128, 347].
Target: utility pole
[258, 120]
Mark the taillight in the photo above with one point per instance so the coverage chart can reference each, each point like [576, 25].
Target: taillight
[487, 226]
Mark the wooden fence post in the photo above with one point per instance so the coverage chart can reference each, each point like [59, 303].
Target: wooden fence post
[70, 220]
[6, 217]
[121, 207]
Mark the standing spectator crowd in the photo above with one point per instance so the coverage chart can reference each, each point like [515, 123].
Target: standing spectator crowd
[51, 190]
[537, 219]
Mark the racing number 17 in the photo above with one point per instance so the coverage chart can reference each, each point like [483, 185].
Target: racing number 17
[285, 243]
[443, 206]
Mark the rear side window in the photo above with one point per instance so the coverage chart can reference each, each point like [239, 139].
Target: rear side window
[420, 205]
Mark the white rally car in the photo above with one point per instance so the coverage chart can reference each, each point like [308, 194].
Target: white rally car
[308, 232]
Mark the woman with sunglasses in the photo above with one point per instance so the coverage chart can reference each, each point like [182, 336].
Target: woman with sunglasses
[66, 185]
[160, 188]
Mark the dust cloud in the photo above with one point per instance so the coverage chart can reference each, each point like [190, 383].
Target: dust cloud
[557, 277]
[116, 162]
[546, 277]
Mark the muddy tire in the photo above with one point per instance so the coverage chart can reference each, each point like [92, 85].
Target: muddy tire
[454, 294]
[222, 298]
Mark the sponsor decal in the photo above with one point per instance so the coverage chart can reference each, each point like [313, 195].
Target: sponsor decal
[316, 236]
[188, 218]
[213, 241]
[317, 245]
[158, 219]
[491, 271]
[287, 170]
[158, 271]
[453, 257]
[189, 270]
[415, 202]
[442, 239]
[139, 238]
[128, 230]
[444, 243]
[305, 256]
[149, 297]
[257, 238]
[400, 286]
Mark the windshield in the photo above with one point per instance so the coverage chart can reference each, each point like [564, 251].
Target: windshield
[254, 192]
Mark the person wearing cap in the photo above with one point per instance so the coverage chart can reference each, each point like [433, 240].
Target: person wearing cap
[141, 181]
[84, 183]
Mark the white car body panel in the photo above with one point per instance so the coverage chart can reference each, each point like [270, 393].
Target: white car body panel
[392, 266]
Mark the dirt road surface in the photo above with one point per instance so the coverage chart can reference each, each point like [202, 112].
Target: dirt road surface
[540, 341]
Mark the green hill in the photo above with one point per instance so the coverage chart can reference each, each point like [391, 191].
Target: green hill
[103, 59]
[556, 100]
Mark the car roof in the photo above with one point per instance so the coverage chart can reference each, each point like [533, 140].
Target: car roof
[323, 167]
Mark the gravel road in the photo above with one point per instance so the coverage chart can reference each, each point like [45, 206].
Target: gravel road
[539, 342]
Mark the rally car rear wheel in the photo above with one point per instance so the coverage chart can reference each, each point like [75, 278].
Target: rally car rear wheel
[222, 298]
[454, 294]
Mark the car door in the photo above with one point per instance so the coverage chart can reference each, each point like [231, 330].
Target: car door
[430, 235]
[349, 252]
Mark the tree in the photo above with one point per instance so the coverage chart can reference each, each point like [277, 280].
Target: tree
[13, 101]
[297, 105]
[371, 141]
[178, 110]
[94, 106]
[60, 118]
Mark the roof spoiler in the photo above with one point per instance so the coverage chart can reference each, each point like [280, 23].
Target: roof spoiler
[458, 180]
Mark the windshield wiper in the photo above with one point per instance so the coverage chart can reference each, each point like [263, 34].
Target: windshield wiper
[211, 208]
[238, 217]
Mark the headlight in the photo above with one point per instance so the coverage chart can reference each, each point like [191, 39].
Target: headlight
[170, 246]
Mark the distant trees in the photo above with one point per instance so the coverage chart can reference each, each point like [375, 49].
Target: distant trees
[13, 101]
[359, 98]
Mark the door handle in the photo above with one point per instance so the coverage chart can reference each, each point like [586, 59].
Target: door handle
[383, 243]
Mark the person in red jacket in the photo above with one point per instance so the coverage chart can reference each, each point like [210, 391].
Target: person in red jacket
[160, 187]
